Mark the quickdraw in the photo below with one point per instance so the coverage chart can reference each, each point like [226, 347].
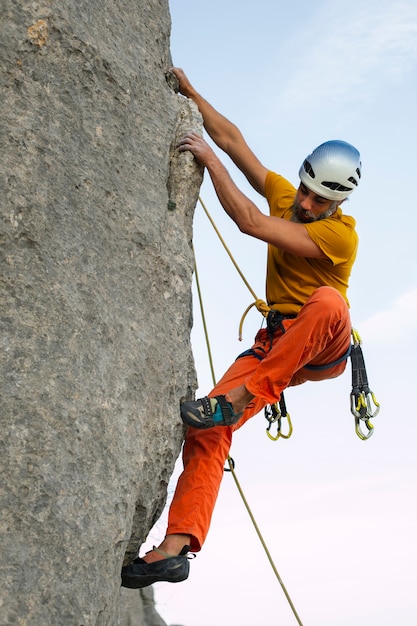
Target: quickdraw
[363, 404]
[274, 414]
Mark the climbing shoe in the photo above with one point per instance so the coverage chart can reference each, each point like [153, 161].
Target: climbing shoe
[172, 569]
[208, 412]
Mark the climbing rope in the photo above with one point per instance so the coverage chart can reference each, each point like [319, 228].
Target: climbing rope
[229, 458]
[261, 305]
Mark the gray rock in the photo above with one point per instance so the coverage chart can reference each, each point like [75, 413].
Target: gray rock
[138, 608]
[95, 298]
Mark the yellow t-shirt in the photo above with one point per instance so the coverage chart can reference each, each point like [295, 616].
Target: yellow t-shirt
[291, 279]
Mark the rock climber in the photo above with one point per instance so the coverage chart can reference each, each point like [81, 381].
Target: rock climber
[312, 246]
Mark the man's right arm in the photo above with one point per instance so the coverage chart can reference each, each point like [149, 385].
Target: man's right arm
[279, 232]
[225, 135]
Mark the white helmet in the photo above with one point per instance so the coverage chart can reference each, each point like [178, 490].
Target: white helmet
[332, 170]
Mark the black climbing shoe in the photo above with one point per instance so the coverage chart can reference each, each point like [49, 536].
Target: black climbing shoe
[173, 569]
[209, 412]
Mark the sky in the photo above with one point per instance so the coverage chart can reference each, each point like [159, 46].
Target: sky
[339, 515]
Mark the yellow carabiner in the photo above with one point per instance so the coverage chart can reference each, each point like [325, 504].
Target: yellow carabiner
[362, 411]
[276, 417]
[371, 396]
[359, 431]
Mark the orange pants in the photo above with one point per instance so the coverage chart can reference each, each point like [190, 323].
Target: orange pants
[319, 335]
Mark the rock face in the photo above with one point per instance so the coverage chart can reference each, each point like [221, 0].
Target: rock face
[138, 608]
[95, 299]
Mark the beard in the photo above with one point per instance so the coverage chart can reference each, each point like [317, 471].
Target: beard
[300, 216]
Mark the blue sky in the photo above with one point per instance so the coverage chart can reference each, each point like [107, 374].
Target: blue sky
[338, 514]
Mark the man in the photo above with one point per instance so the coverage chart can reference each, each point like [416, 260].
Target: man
[311, 249]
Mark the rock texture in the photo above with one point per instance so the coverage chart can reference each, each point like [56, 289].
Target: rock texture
[95, 299]
[138, 608]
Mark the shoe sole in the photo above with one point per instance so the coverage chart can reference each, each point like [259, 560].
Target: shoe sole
[145, 581]
[142, 580]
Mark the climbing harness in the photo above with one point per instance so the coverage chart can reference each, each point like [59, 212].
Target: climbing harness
[361, 398]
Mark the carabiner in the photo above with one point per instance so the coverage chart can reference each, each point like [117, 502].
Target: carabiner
[274, 415]
[359, 431]
[361, 404]
[371, 396]
[361, 409]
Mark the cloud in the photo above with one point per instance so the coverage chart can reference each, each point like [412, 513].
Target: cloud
[342, 51]
[396, 324]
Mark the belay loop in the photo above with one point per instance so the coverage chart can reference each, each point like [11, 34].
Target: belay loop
[363, 404]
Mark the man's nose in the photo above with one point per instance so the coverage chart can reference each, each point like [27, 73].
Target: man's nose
[306, 203]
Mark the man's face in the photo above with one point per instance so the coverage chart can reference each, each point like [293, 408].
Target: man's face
[310, 207]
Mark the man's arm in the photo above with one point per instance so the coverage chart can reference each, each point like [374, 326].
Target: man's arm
[225, 135]
[289, 236]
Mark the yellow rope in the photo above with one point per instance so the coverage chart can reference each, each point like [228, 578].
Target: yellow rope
[229, 459]
[261, 305]
[268, 554]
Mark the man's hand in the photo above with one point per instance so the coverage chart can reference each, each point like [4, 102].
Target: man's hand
[199, 148]
[224, 134]
[185, 87]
